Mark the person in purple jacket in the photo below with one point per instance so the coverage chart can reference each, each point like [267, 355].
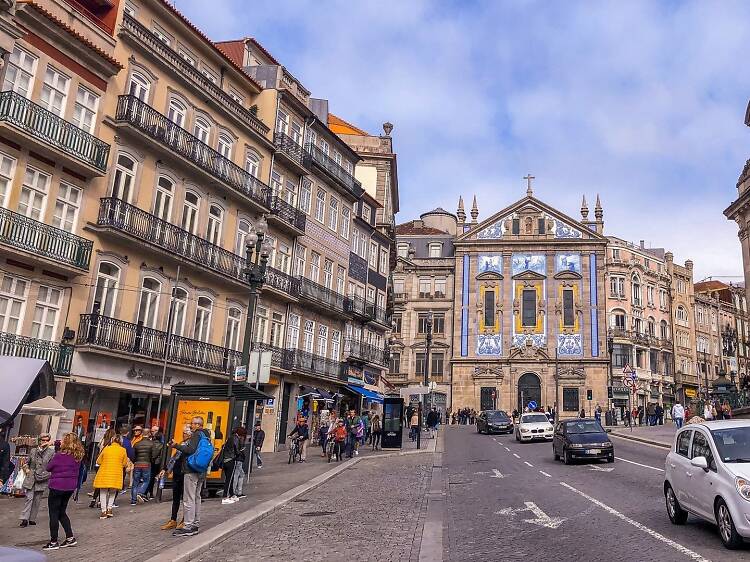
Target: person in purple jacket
[63, 469]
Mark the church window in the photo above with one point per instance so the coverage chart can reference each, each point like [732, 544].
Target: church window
[489, 308]
[568, 312]
[528, 308]
[542, 226]
[516, 226]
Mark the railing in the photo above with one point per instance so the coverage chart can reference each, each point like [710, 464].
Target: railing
[44, 240]
[54, 130]
[641, 338]
[324, 296]
[319, 157]
[157, 126]
[366, 352]
[367, 310]
[58, 355]
[185, 69]
[292, 149]
[282, 281]
[281, 358]
[400, 297]
[317, 365]
[136, 339]
[287, 212]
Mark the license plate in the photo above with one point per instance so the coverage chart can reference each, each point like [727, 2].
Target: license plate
[593, 451]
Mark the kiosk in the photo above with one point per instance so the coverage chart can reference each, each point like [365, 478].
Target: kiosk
[393, 415]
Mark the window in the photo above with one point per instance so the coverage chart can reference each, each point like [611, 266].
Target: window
[571, 401]
[383, 266]
[346, 217]
[292, 332]
[296, 133]
[488, 318]
[366, 212]
[618, 320]
[620, 355]
[277, 182]
[335, 345]
[129, 9]
[328, 274]
[299, 260]
[261, 324]
[13, 293]
[290, 193]
[208, 74]
[320, 205]
[664, 330]
[105, 294]
[663, 299]
[636, 291]
[370, 294]
[307, 337]
[190, 208]
[7, 172]
[224, 146]
[305, 196]
[616, 254]
[568, 311]
[84, 112]
[402, 250]
[179, 309]
[243, 229]
[282, 121]
[314, 266]
[699, 315]
[283, 257]
[232, 332]
[437, 361]
[148, 307]
[651, 327]
[322, 348]
[213, 229]
[438, 323]
[340, 280]
[516, 227]
[650, 295]
[139, 86]
[66, 207]
[161, 35]
[34, 194]
[396, 322]
[701, 448]
[124, 177]
[424, 288]
[420, 359]
[682, 316]
[654, 361]
[542, 226]
[683, 443]
[381, 301]
[186, 55]
[252, 164]
[373, 256]
[362, 244]
[435, 249]
[202, 130]
[355, 241]
[176, 112]
[333, 214]
[19, 76]
[395, 365]
[528, 308]
[277, 329]
[423, 320]
[681, 286]
[325, 147]
[337, 157]
[163, 199]
[637, 322]
[617, 287]
[311, 137]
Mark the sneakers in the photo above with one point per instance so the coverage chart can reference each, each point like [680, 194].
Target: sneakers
[227, 501]
[92, 504]
[52, 545]
[24, 523]
[171, 524]
[140, 499]
[184, 532]
[71, 541]
[235, 499]
[103, 515]
[133, 503]
[241, 496]
[32, 522]
[356, 453]
[109, 513]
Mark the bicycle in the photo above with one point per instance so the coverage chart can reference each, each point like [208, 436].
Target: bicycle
[294, 451]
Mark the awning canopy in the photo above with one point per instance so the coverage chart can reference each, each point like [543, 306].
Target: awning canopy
[46, 406]
[240, 391]
[368, 394]
[23, 378]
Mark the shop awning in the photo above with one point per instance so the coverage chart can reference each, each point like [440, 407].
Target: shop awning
[240, 391]
[368, 394]
[46, 406]
[23, 378]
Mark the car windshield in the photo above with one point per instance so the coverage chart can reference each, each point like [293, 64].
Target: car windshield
[584, 426]
[497, 416]
[534, 418]
[733, 443]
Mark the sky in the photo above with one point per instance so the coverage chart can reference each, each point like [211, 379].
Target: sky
[642, 103]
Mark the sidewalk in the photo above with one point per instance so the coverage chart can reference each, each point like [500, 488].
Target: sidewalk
[658, 435]
[134, 531]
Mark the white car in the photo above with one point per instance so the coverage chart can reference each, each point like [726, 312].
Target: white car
[707, 474]
[534, 426]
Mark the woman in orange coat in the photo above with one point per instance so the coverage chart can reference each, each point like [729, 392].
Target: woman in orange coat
[111, 461]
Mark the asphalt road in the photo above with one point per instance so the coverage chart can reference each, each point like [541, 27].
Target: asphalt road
[513, 501]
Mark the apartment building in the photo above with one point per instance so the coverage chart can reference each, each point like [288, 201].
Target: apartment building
[683, 303]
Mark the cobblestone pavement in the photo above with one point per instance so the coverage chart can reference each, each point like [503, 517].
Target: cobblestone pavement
[373, 511]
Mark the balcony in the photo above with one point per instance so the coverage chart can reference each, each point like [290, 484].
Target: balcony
[64, 250]
[323, 298]
[364, 352]
[286, 216]
[399, 297]
[317, 366]
[125, 338]
[367, 311]
[58, 355]
[640, 338]
[343, 178]
[191, 75]
[286, 285]
[290, 153]
[32, 125]
[687, 379]
[198, 155]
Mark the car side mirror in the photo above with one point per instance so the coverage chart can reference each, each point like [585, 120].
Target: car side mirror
[699, 462]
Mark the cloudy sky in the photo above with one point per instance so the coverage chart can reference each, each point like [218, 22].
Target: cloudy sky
[641, 102]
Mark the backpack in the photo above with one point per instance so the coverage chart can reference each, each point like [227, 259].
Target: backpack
[201, 458]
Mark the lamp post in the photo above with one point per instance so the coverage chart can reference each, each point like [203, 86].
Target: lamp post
[610, 375]
[428, 348]
[257, 250]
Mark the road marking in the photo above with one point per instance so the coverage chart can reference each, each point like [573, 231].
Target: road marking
[639, 464]
[600, 469]
[542, 519]
[547, 475]
[506, 448]
[680, 548]
[494, 474]
[515, 455]
[528, 463]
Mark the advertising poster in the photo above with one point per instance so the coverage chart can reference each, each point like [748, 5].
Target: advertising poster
[103, 420]
[81, 424]
[66, 424]
[214, 413]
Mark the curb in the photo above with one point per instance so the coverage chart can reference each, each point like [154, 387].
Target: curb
[193, 547]
[651, 442]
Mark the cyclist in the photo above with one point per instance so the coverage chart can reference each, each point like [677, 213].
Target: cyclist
[303, 436]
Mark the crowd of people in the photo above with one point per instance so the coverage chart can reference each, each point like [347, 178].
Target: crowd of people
[345, 435]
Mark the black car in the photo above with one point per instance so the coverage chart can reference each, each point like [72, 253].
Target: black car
[581, 438]
[494, 421]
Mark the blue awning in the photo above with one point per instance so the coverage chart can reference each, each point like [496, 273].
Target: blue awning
[367, 394]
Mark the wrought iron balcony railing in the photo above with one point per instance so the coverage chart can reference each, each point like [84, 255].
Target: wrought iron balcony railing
[53, 130]
[44, 240]
[147, 120]
[317, 365]
[190, 72]
[365, 352]
[286, 212]
[136, 339]
[367, 311]
[324, 296]
[58, 355]
[290, 148]
[282, 281]
[317, 156]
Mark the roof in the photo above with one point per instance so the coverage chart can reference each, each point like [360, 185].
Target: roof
[713, 285]
[719, 424]
[438, 211]
[341, 127]
[234, 50]
[408, 229]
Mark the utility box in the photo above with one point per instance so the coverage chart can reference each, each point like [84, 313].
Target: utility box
[393, 415]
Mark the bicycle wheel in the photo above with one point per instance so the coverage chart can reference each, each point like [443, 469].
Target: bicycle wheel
[291, 453]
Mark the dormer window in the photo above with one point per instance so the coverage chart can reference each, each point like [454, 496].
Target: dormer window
[435, 249]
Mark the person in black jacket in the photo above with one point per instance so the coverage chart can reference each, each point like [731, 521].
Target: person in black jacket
[193, 481]
[258, 438]
[233, 455]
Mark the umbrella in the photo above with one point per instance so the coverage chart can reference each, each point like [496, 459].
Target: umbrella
[23, 378]
[46, 406]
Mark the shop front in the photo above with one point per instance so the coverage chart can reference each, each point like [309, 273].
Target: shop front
[620, 400]
[689, 394]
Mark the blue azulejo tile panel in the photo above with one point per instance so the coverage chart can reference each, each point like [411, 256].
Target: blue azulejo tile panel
[569, 344]
[489, 344]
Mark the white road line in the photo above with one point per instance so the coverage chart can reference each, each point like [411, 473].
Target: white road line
[515, 455]
[680, 548]
[547, 475]
[639, 464]
[528, 463]
[506, 448]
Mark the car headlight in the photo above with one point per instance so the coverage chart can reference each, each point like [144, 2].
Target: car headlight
[577, 445]
[525, 430]
[743, 487]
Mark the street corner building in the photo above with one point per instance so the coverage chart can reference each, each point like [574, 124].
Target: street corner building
[526, 308]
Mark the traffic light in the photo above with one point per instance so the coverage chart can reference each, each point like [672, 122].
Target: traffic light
[589, 394]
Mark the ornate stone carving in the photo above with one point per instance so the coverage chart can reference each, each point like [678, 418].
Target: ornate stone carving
[488, 371]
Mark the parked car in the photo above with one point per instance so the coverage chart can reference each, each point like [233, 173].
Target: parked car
[494, 421]
[707, 474]
[534, 426]
[581, 438]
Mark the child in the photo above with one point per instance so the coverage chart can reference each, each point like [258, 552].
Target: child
[339, 437]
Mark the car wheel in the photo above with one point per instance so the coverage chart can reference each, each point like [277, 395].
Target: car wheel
[677, 515]
[611, 458]
[567, 459]
[728, 532]
[479, 430]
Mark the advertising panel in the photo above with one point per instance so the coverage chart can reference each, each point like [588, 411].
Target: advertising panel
[215, 414]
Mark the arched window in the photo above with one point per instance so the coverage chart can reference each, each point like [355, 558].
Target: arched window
[636, 291]
[124, 178]
[618, 319]
[203, 319]
[243, 229]
[179, 307]
[105, 295]
[190, 209]
[682, 315]
[176, 112]
[232, 336]
[139, 86]
[148, 308]
[252, 165]
[637, 322]
[163, 200]
[202, 129]
[213, 230]
[651, 327]
[224, 146]
[664, 330]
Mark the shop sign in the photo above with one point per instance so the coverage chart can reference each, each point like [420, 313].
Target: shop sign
[355, 372]
[370, 377]
[143, 374]
[690, 393]
[620, 390]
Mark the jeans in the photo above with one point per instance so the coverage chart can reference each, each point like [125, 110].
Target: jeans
[678, 422]
[229, 478]
[177, 487]
[258, 460]
[140, 482]
[191, 499]
[57, 502]
[239, 479]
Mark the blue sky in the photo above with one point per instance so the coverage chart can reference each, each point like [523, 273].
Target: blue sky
[641, 102]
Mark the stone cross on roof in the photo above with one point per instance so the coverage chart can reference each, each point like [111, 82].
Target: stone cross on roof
[529, 190]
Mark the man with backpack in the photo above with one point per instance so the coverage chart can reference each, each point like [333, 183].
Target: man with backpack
[198, 454]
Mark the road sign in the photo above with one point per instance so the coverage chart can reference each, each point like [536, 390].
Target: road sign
[240, 374]
[532, 405]
[629, 372]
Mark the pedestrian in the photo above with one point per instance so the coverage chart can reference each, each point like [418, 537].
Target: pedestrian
[651, 414]
[726, 410]
[598, 413]
[258, 438]
[377, 429]
[111, 460]
[157, 438]
[410, 412]
[303, 437]
[175, 468]
[242, 460]
[339, 439]
[678, 414]
[660, 414]
[37, 478]
[195, 452]
[432, 421]
[627, 418]
[63, 471]
[231, 455]
[366, 426]
[641, 412]
[582, 413]
[353, 424]
[414, 425]
[707, 412]
[143, 451]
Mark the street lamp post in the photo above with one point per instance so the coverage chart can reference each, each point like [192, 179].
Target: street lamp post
[428, 349]
[610, 374]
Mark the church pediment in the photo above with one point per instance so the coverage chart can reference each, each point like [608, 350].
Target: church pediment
[568, 275]
[489, 276]
[529, 275]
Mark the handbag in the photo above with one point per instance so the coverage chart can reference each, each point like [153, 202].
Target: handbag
[18, 482]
